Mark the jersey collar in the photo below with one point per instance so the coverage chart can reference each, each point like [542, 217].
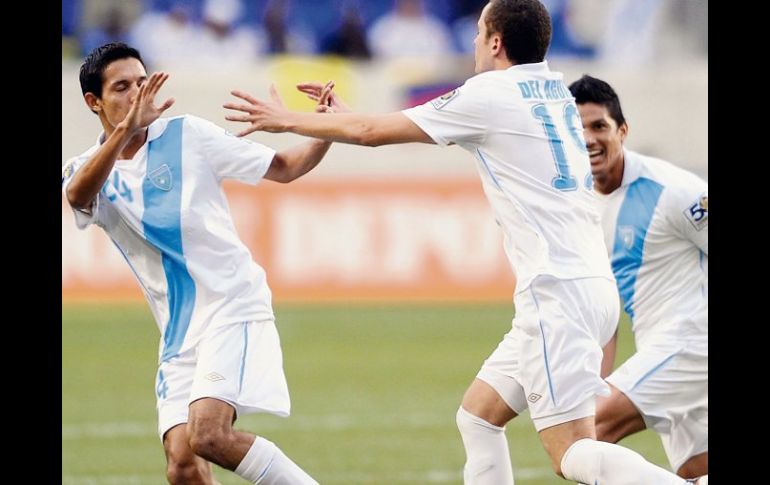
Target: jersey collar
[632, 167]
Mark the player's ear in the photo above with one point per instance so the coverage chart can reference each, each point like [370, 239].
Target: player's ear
[93, 103]
[497, 43]
[623, 131]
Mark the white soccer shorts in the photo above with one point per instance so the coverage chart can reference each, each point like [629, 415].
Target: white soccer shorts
[240, 364]
[669, 387]
[550, 361]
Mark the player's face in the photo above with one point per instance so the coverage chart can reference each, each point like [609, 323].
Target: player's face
[482, 54]
[120, 85]
[604, 140]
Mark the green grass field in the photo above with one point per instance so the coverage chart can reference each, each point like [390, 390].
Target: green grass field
[374, 394]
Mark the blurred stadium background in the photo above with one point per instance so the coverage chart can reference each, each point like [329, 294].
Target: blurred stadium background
[387, 268]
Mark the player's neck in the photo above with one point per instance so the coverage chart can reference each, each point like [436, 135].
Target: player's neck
[132, 146]
[502, 63]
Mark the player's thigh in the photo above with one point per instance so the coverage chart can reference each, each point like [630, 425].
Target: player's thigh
[484, 401]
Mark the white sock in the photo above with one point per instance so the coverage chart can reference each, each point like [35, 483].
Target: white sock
[599, 463]
[486, 449]
[266, 464]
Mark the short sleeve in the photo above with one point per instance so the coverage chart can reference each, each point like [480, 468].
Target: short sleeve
[229, 156]
[460, 116]
[89, 215]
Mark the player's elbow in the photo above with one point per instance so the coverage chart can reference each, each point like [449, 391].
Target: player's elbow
[77, 199]
[281, 169]
[368, 136]
[283, 176]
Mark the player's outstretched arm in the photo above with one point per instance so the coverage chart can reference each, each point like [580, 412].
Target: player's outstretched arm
[352, 128]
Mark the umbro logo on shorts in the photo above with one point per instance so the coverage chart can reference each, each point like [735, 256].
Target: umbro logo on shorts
[533, 397]
[214, 377]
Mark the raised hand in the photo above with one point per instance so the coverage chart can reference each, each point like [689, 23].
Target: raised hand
[324, 94]
[143, 110]
[262, 115]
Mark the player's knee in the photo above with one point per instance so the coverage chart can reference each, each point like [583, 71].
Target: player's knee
[469, 423]
[181, 472]
[208, 442]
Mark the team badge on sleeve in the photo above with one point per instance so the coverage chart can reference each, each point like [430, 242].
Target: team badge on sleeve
[69, 169]
[698, 212]
[442, 100]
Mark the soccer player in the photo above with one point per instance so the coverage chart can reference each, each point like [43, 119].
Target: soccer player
[521, 124]
[154, 185]
[655, 219]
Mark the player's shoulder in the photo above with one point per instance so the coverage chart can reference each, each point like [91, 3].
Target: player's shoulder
[680, 187]
[193, 127]
[485, 79]
[479, 86]
[73, 163]
[198, 124]
[666, 173]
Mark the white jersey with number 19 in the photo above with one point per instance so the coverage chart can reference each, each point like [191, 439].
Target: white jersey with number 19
[524, 130]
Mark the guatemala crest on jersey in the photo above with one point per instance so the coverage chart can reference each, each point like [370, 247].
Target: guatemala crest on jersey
[626, 234]
[161, 177]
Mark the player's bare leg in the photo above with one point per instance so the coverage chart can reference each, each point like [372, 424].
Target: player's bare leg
[616, 417]
[251, 457]
[576, 455]
[182, 465]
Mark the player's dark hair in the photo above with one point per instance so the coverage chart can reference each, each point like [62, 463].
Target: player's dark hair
[97, 61]
[588, 89]
[525, 28]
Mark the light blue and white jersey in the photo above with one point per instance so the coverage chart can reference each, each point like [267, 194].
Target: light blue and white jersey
[656, 229]
[165, 210]
[523, 128]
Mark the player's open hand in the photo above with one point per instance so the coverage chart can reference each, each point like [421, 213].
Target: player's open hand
[262, 115]
[324, 95]
[143, 110]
